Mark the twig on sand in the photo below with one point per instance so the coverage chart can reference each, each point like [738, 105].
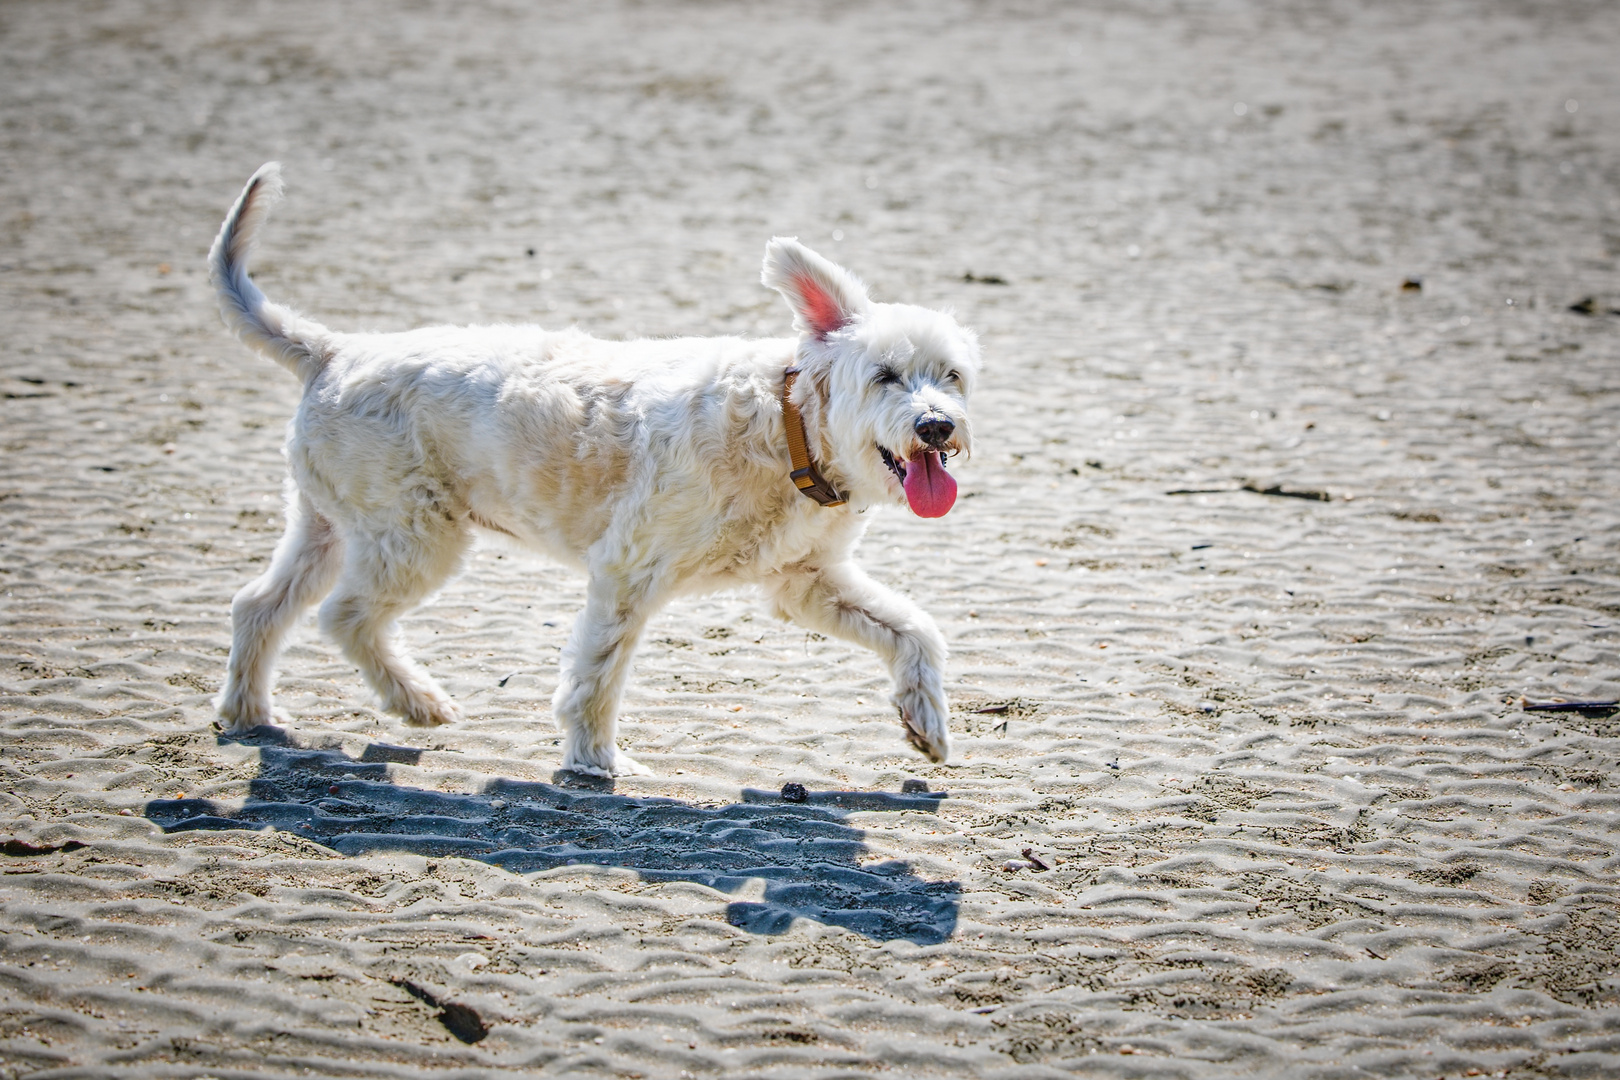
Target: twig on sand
[19, 849]
[1275, 490]
[1282, 492]
[460, 1020]
[1568, 706]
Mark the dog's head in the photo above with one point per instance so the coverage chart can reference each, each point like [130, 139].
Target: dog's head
[883, 387]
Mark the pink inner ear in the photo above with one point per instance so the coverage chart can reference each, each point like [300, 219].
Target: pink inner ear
[817, 306]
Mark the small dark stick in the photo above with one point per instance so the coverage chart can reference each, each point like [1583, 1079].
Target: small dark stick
[1029, 854]
[1287, 493]
[1566, 706]
[18, 849]
[460, 1020]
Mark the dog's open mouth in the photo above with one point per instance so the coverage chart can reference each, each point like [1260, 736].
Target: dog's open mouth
[930, 490]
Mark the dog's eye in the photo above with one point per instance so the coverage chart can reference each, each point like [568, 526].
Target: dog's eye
[886, 377]
[954, 376]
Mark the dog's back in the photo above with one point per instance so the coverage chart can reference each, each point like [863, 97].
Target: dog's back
[542, 434]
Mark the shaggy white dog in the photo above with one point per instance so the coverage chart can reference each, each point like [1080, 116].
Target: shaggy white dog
[659, 467]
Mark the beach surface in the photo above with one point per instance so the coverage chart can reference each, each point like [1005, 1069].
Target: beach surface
[1298, 455]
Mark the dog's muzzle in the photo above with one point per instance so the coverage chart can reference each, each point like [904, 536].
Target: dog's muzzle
[934, 431]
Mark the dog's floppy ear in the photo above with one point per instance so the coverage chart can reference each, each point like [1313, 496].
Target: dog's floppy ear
[823, 295]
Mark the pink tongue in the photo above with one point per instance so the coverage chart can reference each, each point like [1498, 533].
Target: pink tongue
[930, 490]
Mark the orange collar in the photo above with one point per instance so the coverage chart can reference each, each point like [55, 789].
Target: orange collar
[805, 476]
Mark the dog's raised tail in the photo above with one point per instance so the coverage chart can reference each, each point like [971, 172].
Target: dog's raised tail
[298, 344]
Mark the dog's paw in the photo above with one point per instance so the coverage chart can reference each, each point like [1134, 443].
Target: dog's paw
[609, 764]
[425, 711]
[923, 717]
[237, 716]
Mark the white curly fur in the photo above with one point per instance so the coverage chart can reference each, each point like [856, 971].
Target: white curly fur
[660, 467]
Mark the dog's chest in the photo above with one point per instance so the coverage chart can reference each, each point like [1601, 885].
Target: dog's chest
[751, 548]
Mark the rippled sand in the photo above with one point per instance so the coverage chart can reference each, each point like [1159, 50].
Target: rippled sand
[1270, 750]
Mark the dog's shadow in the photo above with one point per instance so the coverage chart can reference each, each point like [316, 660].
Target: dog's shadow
[807, 854]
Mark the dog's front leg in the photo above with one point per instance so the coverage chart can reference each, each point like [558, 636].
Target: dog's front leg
[841, 600]
[595, 664]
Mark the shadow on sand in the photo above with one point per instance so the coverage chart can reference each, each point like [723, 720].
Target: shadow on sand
[807, 855]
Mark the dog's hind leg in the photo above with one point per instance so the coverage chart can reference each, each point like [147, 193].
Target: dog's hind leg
[385, 576]
[842, 601]
[301, 572]
[595, 664]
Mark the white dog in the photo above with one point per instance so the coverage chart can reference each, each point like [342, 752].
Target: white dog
[659, 467]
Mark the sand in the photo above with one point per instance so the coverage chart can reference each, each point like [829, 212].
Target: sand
[1270, 750]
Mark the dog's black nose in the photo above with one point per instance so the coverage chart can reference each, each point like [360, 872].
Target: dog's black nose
[934, 430]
